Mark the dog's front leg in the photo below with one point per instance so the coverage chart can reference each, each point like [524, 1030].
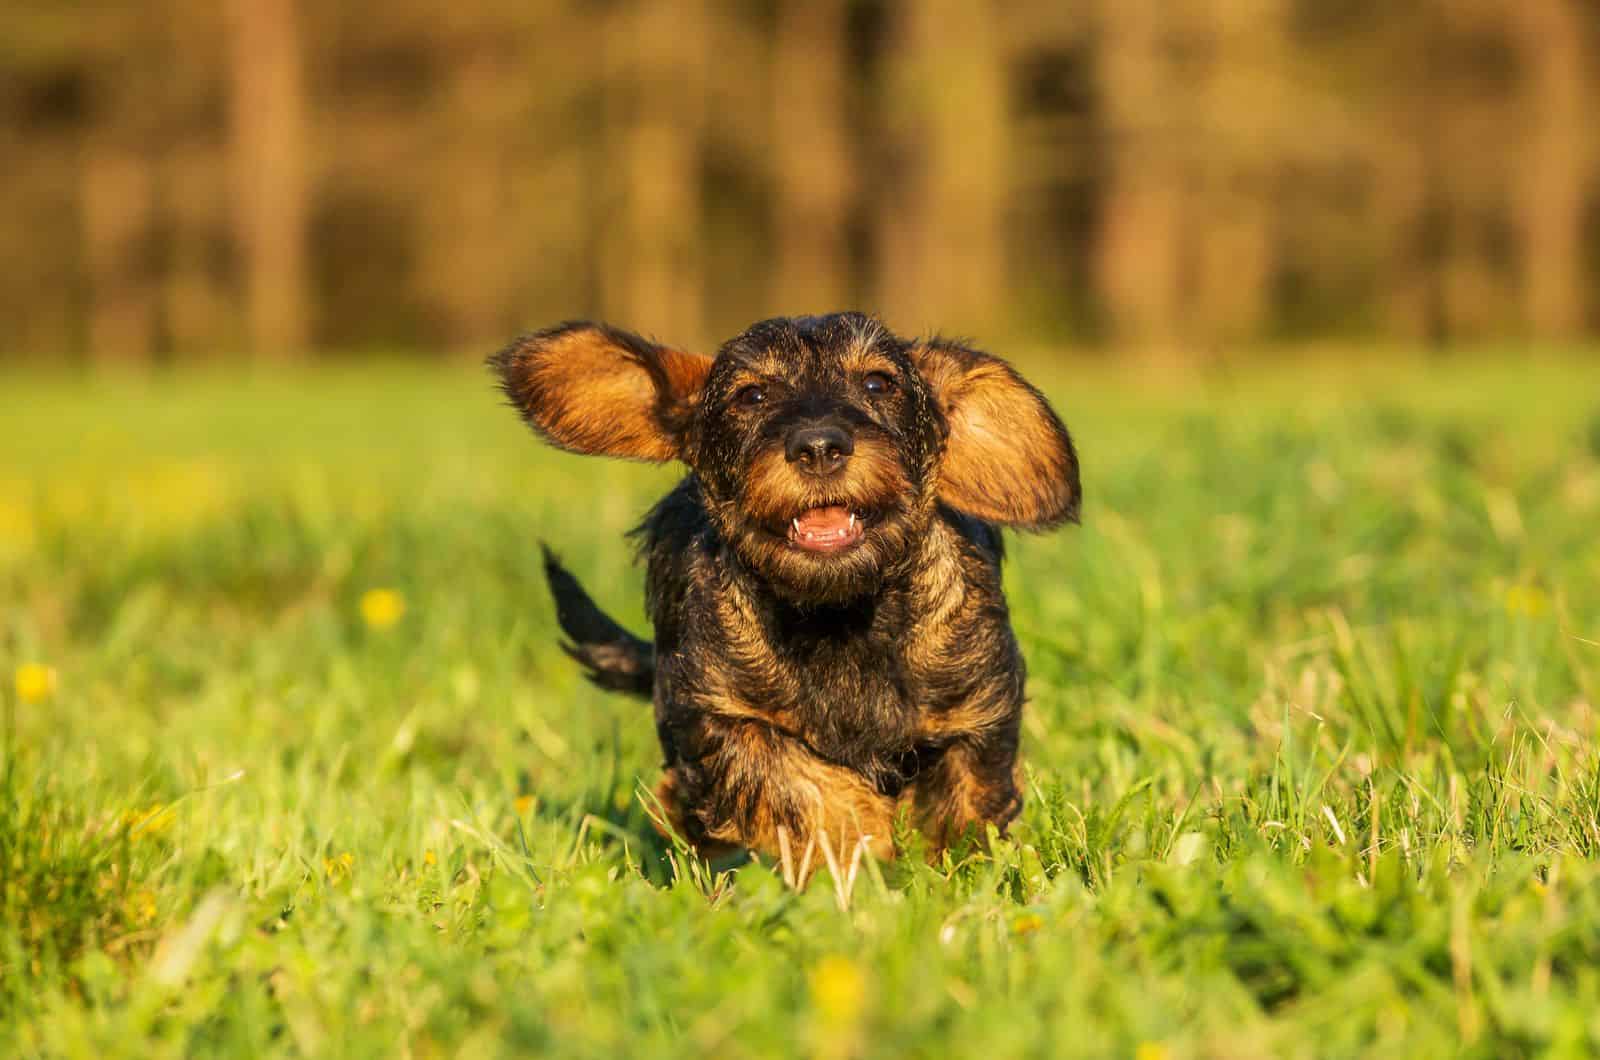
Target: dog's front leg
[751, 779]
[971, 785]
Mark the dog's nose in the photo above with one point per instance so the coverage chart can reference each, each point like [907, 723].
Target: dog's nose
[819, 450]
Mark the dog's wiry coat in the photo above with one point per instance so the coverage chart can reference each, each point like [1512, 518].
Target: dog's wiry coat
[799, 686]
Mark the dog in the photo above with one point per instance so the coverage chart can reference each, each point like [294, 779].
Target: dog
[832, 645]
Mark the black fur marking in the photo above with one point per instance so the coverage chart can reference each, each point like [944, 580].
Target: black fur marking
[611, 657]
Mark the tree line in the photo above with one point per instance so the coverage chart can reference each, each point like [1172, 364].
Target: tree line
[276, 176]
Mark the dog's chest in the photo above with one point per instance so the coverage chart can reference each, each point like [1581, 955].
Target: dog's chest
[851, 694]
[865, 685]
[842, 679]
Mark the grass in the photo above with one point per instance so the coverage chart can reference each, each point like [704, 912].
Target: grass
[1311, 748]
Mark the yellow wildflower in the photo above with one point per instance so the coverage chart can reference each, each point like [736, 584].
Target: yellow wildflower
[1151, 1051]
[150, 821]
[16, 519]
[837, 991]
[1026, 924]
[523, 803]
[36, 682]
[142, 906]
[428, 858]
[340, 867]
[1527, 600]
[382, 608]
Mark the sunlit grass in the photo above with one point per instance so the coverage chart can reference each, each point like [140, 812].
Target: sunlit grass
[292, 763]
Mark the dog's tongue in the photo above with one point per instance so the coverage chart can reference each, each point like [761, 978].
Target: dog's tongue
[819, 521]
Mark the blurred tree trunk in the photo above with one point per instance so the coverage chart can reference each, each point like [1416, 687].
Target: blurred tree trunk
[1405, 153]
[1138, 266]
[468, 266]
[813, 168]
[1554, 166]
[1406, 239]
[271, 172]
[119, 187]
[118, 204]
[195, 305]
[1246, 125]
[941, 260]
[199, 314]
[652, 260]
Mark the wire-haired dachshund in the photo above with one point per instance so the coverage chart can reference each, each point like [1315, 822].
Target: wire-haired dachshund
[832, 646]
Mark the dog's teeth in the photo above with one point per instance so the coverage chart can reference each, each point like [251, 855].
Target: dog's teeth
[796, 523]
[852, 520]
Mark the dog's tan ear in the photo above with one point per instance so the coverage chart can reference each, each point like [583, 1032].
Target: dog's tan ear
[595, 389]
[1008, 458]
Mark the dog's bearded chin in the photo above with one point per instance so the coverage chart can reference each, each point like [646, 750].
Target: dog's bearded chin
[830, 529]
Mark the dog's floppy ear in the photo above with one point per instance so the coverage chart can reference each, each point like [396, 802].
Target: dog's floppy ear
[595, 389]
[1008, 458]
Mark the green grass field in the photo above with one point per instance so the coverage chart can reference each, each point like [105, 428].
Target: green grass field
[1311, 741]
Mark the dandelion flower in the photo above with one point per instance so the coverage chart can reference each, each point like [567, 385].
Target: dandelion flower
[523, 803]
[1527, 600]
[36, 682]
[150, 821]
[837, 989]
[382, 608]
[1026, 924]
[339, 868]
[142, 906]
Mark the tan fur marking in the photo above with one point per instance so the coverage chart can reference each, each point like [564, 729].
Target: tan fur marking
[955, 799]
[941, 593]
[686, 372]
[791, 787]
[867, 333]
[1006, 459]
[775, 492]
[592, 395]
[859, 360]
[666, 793]
[978, 713]
[718, 699]
[747, 649]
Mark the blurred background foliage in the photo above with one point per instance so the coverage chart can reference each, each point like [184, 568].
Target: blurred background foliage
[276, 176]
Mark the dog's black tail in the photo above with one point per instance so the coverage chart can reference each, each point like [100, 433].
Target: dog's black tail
[611, 657]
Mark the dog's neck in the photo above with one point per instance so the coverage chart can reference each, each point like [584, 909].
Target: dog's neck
[919, 593]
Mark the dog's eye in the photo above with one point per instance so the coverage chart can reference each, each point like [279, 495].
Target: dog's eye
[750, 396]
[878, 384]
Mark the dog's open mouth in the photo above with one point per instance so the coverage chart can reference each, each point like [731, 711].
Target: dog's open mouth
[829, 529]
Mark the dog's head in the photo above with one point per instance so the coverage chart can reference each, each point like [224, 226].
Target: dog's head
[822, 444]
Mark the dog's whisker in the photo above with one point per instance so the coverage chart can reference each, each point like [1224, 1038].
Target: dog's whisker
[855, 863]
[805, 859]
[784, 857]
[833, 870]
